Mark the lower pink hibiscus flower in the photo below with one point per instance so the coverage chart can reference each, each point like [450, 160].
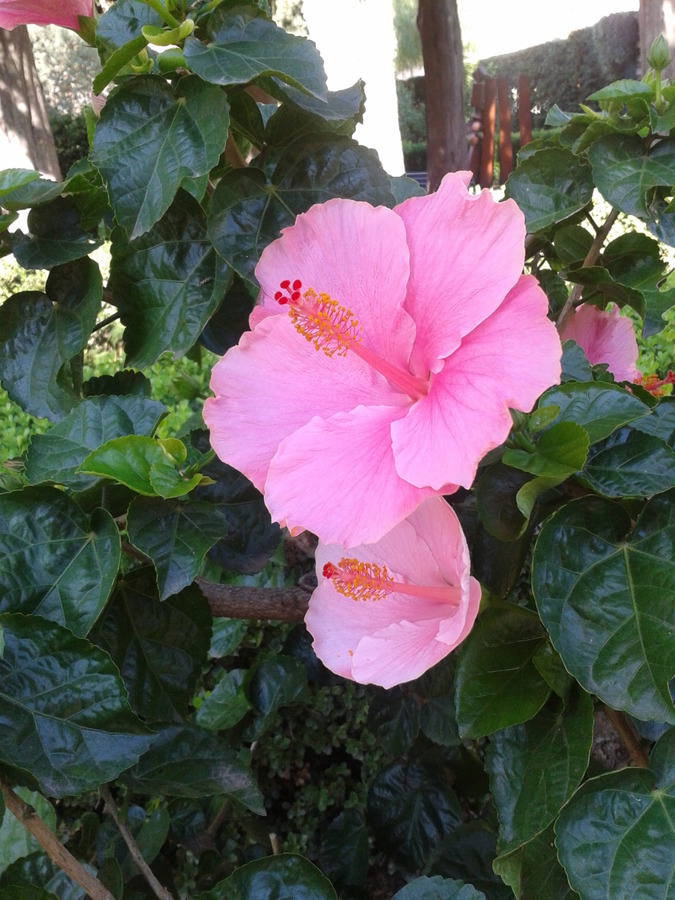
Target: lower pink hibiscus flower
[384, 357]
[605, 337]
[392, 609]
[43, 12]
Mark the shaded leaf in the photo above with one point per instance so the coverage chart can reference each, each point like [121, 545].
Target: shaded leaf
[344, 851]
[599, 408]
[533, 870]
[55, 237]
[438, 888]
[631, 463]
[467, 854]
[624, 170]
[394, 718]
[282, 877]
[16, 842]
[226, 704]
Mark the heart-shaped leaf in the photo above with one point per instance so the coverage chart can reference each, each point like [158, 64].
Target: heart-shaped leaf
[625, 171]
[632, 464]
[599, 408]
[284, 877]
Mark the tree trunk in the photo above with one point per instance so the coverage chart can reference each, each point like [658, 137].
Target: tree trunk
[26, 140]
[657, 17]
[438, 24]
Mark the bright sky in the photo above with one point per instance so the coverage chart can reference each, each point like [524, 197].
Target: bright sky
[496, 26]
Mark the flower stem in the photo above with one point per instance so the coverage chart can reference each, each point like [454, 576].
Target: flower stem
[163, 12]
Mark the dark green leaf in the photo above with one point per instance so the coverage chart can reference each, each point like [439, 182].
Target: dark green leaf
[497, 684]
[123, 21]
[275, 681]
[632, 464]
[572, 243]
[660, 422]
[615, 836]
[230, 320]
[646, 276]
[575, 366]
[625, 171]
[16, 842]
[282, 877]
[495, 491]
[599, 408]
[65, 720]
[293, 122]
[149, 832]
[55, 237]
[559, 452]
[549, 187]
[410, 810]
[56, 454]
[33, 193]
[186, 761]
[533, 870]
[394, 718]
[226, 704]
[606, 599]
[467, 854]
[159, 648]
[244, 45]
[42, 332]
[151, 137]
[338, 109]
[37, 871]
[535, 768]
[56, 561]
[345, 849]
[438, 888]
[227, 635]
[166, 284]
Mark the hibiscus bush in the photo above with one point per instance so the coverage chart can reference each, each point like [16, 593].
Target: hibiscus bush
[427, 451]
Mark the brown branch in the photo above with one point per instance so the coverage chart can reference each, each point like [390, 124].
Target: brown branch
[157, 889]
[590, 260]
[233, 153]
[237, 602]
[53, 846]
[629, 737]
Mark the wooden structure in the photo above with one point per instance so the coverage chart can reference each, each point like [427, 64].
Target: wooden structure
[491, 101]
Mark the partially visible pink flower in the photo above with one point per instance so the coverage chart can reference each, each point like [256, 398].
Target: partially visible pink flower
[384, 357]
[390, 610]
[605, 337]
[43, 12]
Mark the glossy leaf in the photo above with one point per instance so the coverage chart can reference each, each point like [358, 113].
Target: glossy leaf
[632, 464]
[615, 836]
[550, 186]
[66, 724]
[624, 170]
[55, 237]
[535, 768]
[166, 284]
[558, 453]
[244, 44]
[394, 718]
[606, 594]
[282, 877]
[275, 681]
[16, 841]
[230, 320]
[186, 761]
[497, 684]
[344, 851]
[159, 648]
[661, 421]
[10, 179]
[225, 705]
[56, 454]
[123, 21]
[150, 138]
[56, 561]
[42, 332]
[533, 870]
[623, 90]
[37, 872]
[467, 854]
[495, 491]
[438, 888]
[599, 408]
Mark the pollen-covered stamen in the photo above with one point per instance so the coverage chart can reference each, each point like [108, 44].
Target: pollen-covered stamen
[368, 581]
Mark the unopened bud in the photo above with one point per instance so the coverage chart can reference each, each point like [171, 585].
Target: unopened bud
[659, 55]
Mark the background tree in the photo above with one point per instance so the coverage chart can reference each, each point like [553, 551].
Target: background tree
[657, 17]
[438, 23]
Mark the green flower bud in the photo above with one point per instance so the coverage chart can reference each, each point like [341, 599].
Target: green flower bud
[659, 56]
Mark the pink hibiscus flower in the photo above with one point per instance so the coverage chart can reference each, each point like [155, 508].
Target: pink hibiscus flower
[415, 599]
[43, 12]
[384, 357]
[605, 337]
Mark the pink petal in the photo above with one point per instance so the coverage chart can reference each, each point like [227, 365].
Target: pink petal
[605, 337]
[401, 653]
[507, 361]
[466, 253]
[273, 383]
[43, 12]
[358, 255]
[336, 477]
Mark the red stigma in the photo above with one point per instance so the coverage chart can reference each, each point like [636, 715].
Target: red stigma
[288, 293]
[328, 570]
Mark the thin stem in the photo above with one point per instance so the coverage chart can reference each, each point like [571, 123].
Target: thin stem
[629, 737]
[158, 889]
[163, 12]
[113, 317]
[590, 260]
[52, 846]
[233, 153]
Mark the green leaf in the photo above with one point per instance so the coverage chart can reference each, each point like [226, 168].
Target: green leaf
[246, 213]
[660, 422]
[56, 561]
[497, 684]
[394, 718]
[55, 237]
[599, 408]
[176, 537]
[244, 45]
[615, 836]
[438, 888]
[533, 870]
[159, 648]
[226, 326]
[56, 454]
[467, 854]
[535, 768]
[559, 452]
[606, 597]
[631, 463]
[275, 681]
[549, 187]
[306, 116]
[648, 277]
[117, 61]
[149, 832]
[11, 179]
[42, 332]
[625, 171]
[33, 193]
[575, 366]
[123, 22]
[495, 491]
[227, 636]
[226, 704]
[572, 243]
[66, 724]
[625, 89]
[345, 849]
[142, 464]
[166, 284]
[37, 872]
[186, 761]
[410, 810]
[150, 138]
[282, 877]
[15, 839]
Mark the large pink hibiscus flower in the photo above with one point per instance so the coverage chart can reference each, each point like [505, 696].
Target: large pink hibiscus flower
[384, 357]
[43, 12]
[605, 337]
[393, 609]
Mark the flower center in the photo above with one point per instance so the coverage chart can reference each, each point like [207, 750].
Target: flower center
[335, 329]
[368, 581]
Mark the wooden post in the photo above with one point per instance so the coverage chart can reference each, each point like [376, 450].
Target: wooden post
[524, 114]
[505, 145]
[476, 123]
[488, 149]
